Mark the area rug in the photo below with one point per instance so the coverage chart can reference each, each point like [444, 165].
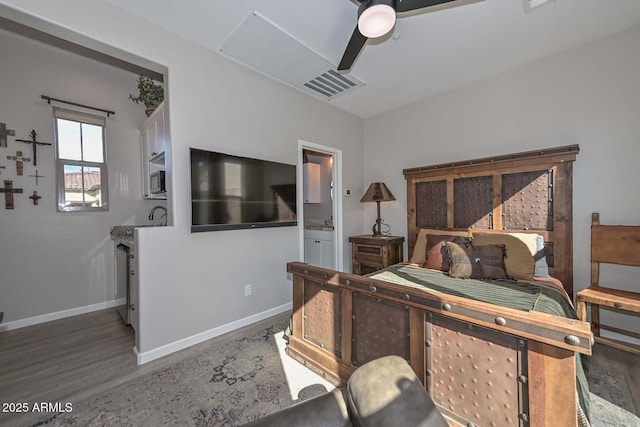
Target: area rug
[612, 403]
[239, 377]
[613, 388]
[232, 380]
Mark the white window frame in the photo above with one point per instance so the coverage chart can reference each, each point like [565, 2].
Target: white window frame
[81, 117]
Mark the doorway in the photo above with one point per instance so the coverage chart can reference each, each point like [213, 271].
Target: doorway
[320, 205]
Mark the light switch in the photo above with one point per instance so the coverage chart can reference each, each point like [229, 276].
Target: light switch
[347, 192]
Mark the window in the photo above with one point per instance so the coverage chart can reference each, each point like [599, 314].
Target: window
[81, 165]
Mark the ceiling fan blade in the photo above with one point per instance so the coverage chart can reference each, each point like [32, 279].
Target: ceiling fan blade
[356, 43]
[407, 5]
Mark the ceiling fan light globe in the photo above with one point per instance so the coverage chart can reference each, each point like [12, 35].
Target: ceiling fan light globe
[376, 20]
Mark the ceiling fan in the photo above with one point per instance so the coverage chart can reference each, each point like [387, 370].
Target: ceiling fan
[375, 19]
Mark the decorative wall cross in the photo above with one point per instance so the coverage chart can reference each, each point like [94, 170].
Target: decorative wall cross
[35, 197]
[36, 176]
[34, 143]
[19, 159]
[8, 191]
[4, 132]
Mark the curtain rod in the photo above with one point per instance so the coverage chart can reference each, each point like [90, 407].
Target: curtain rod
[49, 99]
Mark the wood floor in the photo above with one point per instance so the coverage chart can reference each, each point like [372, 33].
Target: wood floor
[71, 359]
[64, 359]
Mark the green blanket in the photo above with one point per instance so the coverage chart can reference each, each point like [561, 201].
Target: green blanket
[524, 296]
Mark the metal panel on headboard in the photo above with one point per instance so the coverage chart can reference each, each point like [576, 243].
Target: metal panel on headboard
[522, 192]
[434, 196]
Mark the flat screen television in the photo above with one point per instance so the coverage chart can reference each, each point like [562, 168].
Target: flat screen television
[230, 192]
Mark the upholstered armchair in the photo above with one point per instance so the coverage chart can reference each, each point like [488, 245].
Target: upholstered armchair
[384, 392]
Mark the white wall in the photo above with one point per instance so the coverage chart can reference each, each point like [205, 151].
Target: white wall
[54, 261]
[196, 282]
[192, 283]
[588, 96]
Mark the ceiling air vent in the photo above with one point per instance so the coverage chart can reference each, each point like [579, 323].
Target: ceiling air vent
[262, 46]
[331, 84]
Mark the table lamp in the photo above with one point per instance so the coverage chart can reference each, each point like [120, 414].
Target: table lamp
[377, 192]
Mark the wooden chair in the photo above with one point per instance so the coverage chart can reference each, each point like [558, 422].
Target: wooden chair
[611, 244]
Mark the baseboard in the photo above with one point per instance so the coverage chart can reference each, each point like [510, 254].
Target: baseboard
[29, 321]
[156, 353]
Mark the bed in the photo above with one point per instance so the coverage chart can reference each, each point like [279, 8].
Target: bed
[495, 352]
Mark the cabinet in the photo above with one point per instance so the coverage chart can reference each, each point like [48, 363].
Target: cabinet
[126, 271]
[318, 248]
[154, 143]
[371, 254]
[311, 183]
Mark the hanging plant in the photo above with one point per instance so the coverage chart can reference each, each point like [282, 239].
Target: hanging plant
[150, 93]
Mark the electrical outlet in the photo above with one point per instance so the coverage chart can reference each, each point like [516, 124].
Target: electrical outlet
[247, 290]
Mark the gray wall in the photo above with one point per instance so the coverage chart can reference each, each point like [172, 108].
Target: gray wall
[192, 283]
[53, 261]
[588, 96]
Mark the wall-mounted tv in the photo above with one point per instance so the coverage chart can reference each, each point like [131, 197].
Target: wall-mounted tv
[230, 192]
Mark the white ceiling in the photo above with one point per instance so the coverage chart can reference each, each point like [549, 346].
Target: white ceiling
[427, 53]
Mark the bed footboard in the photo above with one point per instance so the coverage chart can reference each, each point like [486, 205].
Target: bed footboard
[482, 364]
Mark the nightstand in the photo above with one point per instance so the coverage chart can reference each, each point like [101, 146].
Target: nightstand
[370, 253]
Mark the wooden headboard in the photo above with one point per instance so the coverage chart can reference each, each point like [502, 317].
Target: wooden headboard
[528, 192]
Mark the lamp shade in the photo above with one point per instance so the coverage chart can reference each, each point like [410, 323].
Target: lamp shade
[377, 192]
[376, 19]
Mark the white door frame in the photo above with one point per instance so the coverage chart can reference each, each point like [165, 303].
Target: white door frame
[336, 171]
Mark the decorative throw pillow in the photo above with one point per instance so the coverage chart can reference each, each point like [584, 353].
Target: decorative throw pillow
[491, 259]
[541, 266]
[476, 262]
[462, 261]
[437, 254]
[519, 251]
[418, 256]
